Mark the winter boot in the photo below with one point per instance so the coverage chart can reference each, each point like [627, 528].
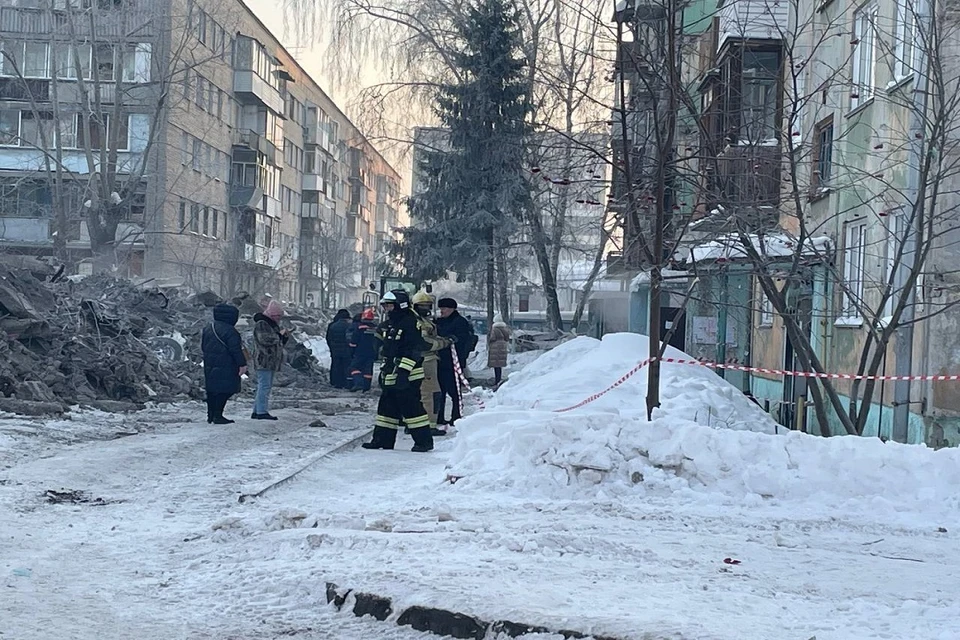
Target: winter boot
[422, 440]
[383, 438]
[263, 416]
[222, 420]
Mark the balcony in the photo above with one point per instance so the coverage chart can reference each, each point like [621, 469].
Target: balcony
[313, 182]
[37, 232]
[358, 210]
[263, 256]
[252, 140]
[251, 89]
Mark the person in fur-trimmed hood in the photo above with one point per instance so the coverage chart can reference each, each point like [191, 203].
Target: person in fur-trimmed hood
[268, 342]
[498, 341]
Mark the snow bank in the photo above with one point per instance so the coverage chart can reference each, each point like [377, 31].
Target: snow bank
[566, 455]
[707, 439]
[577, 369]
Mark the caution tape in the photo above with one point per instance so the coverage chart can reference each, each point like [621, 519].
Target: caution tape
[464, 384]
[808, 374]
[745, 368]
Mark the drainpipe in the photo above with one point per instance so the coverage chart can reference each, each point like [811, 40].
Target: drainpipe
[903, 347]
[722, 322]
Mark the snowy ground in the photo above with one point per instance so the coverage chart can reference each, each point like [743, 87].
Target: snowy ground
[592, 520]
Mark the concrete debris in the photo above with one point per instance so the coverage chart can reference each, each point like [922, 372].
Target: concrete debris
[107, 343]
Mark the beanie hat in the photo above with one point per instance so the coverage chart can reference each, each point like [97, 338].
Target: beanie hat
[447, 303]
[274, 310]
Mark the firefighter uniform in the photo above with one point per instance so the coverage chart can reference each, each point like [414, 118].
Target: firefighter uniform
[423, 305]
[400, 377]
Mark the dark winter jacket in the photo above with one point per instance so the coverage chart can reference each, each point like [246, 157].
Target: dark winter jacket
[458, 328]
[268, 344]
[365, 347]
[222, 351]
[337, 338]
[402, 348]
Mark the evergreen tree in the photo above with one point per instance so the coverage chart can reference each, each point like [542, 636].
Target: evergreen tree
[476, 188]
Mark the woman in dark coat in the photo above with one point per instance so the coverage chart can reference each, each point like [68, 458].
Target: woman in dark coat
[223, 361]
[339, 346]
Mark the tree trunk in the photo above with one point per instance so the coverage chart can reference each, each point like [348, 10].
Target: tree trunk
[503, 280]
[591, 278]
[491, 277]
[554, 319]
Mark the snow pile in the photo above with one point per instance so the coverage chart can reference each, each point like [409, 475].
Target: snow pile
[596, 455]
[706, 440]
[584, 366]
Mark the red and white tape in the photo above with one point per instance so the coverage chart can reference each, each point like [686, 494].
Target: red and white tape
[740, 367]
[807, 374]
[464, 384]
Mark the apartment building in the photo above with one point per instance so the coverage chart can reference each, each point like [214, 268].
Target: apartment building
[230, 168]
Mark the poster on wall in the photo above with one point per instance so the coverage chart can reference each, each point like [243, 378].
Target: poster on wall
[705, 330]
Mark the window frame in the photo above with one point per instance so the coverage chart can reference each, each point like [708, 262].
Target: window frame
[863, 81]
[854, 264]
[905, 45]
[819, 185]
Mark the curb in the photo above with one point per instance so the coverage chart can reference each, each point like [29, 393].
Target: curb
[441, 621]
[302, 466]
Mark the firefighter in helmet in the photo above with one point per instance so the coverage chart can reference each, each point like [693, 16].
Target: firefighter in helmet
[423, 305]
[400, 376]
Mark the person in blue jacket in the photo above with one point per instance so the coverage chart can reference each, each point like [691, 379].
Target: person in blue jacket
[223, 361]
[364, 351]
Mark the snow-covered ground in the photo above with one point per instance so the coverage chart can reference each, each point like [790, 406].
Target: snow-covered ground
[700, 525]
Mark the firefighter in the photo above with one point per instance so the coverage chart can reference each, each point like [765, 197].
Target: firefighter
[423, 305]
[401, 376]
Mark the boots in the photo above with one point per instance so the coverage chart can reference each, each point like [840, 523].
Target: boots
[422, 440]
[383, 438]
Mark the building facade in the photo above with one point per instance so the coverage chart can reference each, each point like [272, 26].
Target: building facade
[230, 169]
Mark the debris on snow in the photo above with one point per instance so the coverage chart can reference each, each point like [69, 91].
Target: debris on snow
[110, 344]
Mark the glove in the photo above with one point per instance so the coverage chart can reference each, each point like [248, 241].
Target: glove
[403, 379]
[452, 339]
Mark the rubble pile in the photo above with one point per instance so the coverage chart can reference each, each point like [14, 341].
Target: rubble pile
[110, 344]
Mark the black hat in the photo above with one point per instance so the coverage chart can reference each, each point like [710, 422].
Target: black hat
[447, 303]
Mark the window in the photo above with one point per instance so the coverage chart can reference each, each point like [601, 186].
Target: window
[37, 129]
[200, 88]
[759, 97]
[905, 46]
[864, 55]
[9, 127]
[67, 130]
[822, 170]
[194, 217]
[853, 264]
[201, 26]
[185, 148]
[523, 303]
[64, 62]
[103, 55]
[129, 63]
[35, 63]
[206, 221]
[182, 217]
[766, 309]
[215, 227]
[197, 150]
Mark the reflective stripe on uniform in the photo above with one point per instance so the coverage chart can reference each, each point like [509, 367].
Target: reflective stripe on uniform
[386, 423]
[419, 422]
[407, 363]
[416, 374]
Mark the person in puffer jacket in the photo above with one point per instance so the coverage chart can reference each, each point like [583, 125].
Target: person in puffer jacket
[223, 361]
[364, 351]
[268, 342]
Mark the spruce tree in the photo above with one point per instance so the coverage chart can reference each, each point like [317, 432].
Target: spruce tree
[476, 189]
